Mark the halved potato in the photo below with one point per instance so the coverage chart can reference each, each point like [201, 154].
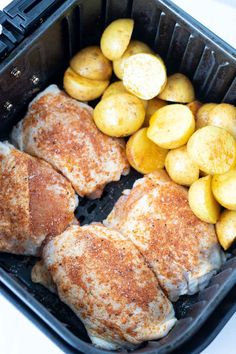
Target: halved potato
[194, 107]
[171, 126]
[134, 47]
[152, 106]
[178, 89]
[226, 228]
[119, 115]
[212, 149]
[202, 201]
[224, 189]
[81, 88]
[224, 116]
[203, 115]
[116, 37]
[143, 155]
[92, 64]
[180, 167]
[144, 75]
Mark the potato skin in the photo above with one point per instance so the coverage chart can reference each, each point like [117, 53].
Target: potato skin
[224, 116]
[119, 115]
[116, 37]
[224, 189]
[194, 107]
[143, 155]
[203, 114]
[202, 201]
[81, 88]
[152, 106]
[178, 89]
[226, 228]
[180, 167]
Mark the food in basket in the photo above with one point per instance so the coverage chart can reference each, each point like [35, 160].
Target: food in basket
[178, 89]
[152, 106]
[203, 114]
[104, 279]
[194, 107]
[35, 202]
[61, 131]
[182, 250]
[224, 189]
[226, 228]
[224, 116]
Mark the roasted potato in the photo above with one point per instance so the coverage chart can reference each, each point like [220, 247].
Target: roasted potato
[226, 228]
[194, 107]
[203, 115]
[119, 115]
[134, 47]
[178, 89]
[171, 126]
[202, 201]
[143, 155]
[212, 149]
[144, 75]
[92, 64]
[180, 167]
[152, 106]
[224, 116]
[224, 189]
[116, 37]
[81, 88]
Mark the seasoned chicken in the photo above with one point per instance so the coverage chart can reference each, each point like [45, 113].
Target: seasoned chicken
[61, 131]
[181, 249]
[106, 282]
[35, 202]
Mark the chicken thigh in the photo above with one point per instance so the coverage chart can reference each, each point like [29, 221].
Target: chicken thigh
[181, 249]
[104, 279]
[35, 202]
[61, 131]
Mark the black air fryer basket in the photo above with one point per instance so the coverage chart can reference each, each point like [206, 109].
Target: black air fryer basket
[38, 38]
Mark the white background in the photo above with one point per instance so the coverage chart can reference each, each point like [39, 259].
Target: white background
[17, 334]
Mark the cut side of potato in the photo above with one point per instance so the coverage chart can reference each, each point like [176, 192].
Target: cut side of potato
[171, 126]
[224, 189]
[178, 89]
[143, 155]
[144, 75]
[134, 47]
[202, 201]
[226, 228]
[116, 37]
[180, 167]
[203, 115]
[194, 107]
[92, 64]
[212, 149]
[224, 116]
[152, 106]
[119, 115]
[81, 88]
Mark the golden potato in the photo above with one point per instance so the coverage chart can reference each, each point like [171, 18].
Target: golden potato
[180, 167]
[178, 89]
[212, 149]
[194, 107]
[143, 155]
[203, 115]
[116, 37]
[81, 88]
[92, 64]
[144, 75]
[202, 201]
[171, 126]
[119, 115]
[152, 106]
[134, 47]
[224, 116]
[226, 228]
[224, 189]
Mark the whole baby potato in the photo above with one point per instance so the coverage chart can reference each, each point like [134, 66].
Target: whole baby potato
[203, 115]
[116, 37]
[92, 64]
[178, 88]
[224, 116]
[81, 88]
[224, 189]
[226, 228]
[119, 115]
[180, 167]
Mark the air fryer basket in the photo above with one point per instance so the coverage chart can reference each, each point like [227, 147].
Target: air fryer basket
[41, 58]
